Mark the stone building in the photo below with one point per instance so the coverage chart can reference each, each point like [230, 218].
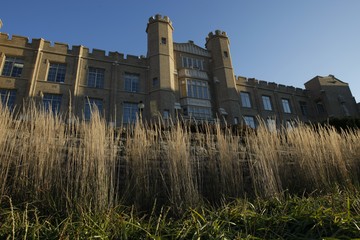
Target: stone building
[173, 79]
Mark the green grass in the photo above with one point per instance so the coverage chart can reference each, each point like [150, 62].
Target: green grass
[335, 216]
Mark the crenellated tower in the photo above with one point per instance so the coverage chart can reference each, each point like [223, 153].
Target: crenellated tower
[161, 61]
[223, 75]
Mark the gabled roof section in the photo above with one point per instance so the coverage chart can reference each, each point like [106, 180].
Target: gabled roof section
[334, 79]
[190, 47]
[327, 79]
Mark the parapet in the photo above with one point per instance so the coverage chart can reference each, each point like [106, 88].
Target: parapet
[116, 57]
[253, 82]
[56, 47]
[65, 49]
[218, 33]
[159, 18]
[15, 40]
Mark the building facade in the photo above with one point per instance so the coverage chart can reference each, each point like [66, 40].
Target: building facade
[172, 80]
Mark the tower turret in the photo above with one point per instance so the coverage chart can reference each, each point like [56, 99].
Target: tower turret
[161, 62]
[224, 79]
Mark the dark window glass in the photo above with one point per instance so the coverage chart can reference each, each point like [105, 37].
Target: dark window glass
[56, 72]
[13, 67]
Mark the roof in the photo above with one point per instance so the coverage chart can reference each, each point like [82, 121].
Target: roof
[326, 77]
[192, 48]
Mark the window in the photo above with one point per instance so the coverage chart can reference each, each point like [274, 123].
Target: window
[236, 120]
[197, 63]
[249, 121]
[290, 124]
[8, 98]
[197, 89]
[131, 82]
[166, 114]
[245, 99]
[226, 54]
[90, 105]
[130, 111]
[320, 107]
[303, 108]
[271, 124]
[95, 77]
[52, 102]
[188, 62]
[57, 72]
[155, 83]
[185, 63]
[163, 40]
[13, 67]
[267, 103]
[286, 105]
[345, 109]
[199, 112]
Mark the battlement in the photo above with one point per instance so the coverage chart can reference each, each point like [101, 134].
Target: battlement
[116, 57]
[270, 85]
[15, 39]
[159, 18]
[217, 33]
[63, 48]
[56, 47]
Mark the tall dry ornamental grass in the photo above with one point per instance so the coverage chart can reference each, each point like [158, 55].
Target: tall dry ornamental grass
[92, 166]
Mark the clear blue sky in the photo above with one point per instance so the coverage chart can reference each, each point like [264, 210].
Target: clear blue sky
[283, 41]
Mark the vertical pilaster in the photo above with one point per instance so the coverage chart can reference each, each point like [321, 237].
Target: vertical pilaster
[36, 68]
[2, 59]
[113, 92]
[74, 95]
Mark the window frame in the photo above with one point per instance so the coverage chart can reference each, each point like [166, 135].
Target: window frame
[197, 89]
[155, 83]
[11, 67]
[249, 121]
[8, 98]
[132, 82]
[236, 120]
[163, 40]
[266, 100]
[130, 112]
[166, 114]
[98, 75]
[345, 109]
[60, 72]
[271, 124]
[48, 100]
[245, 99]
[199, 112]
[304, 108]
[194, 63]
[320, 107]
[289, 124]
[89, 104]
[285, 102]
